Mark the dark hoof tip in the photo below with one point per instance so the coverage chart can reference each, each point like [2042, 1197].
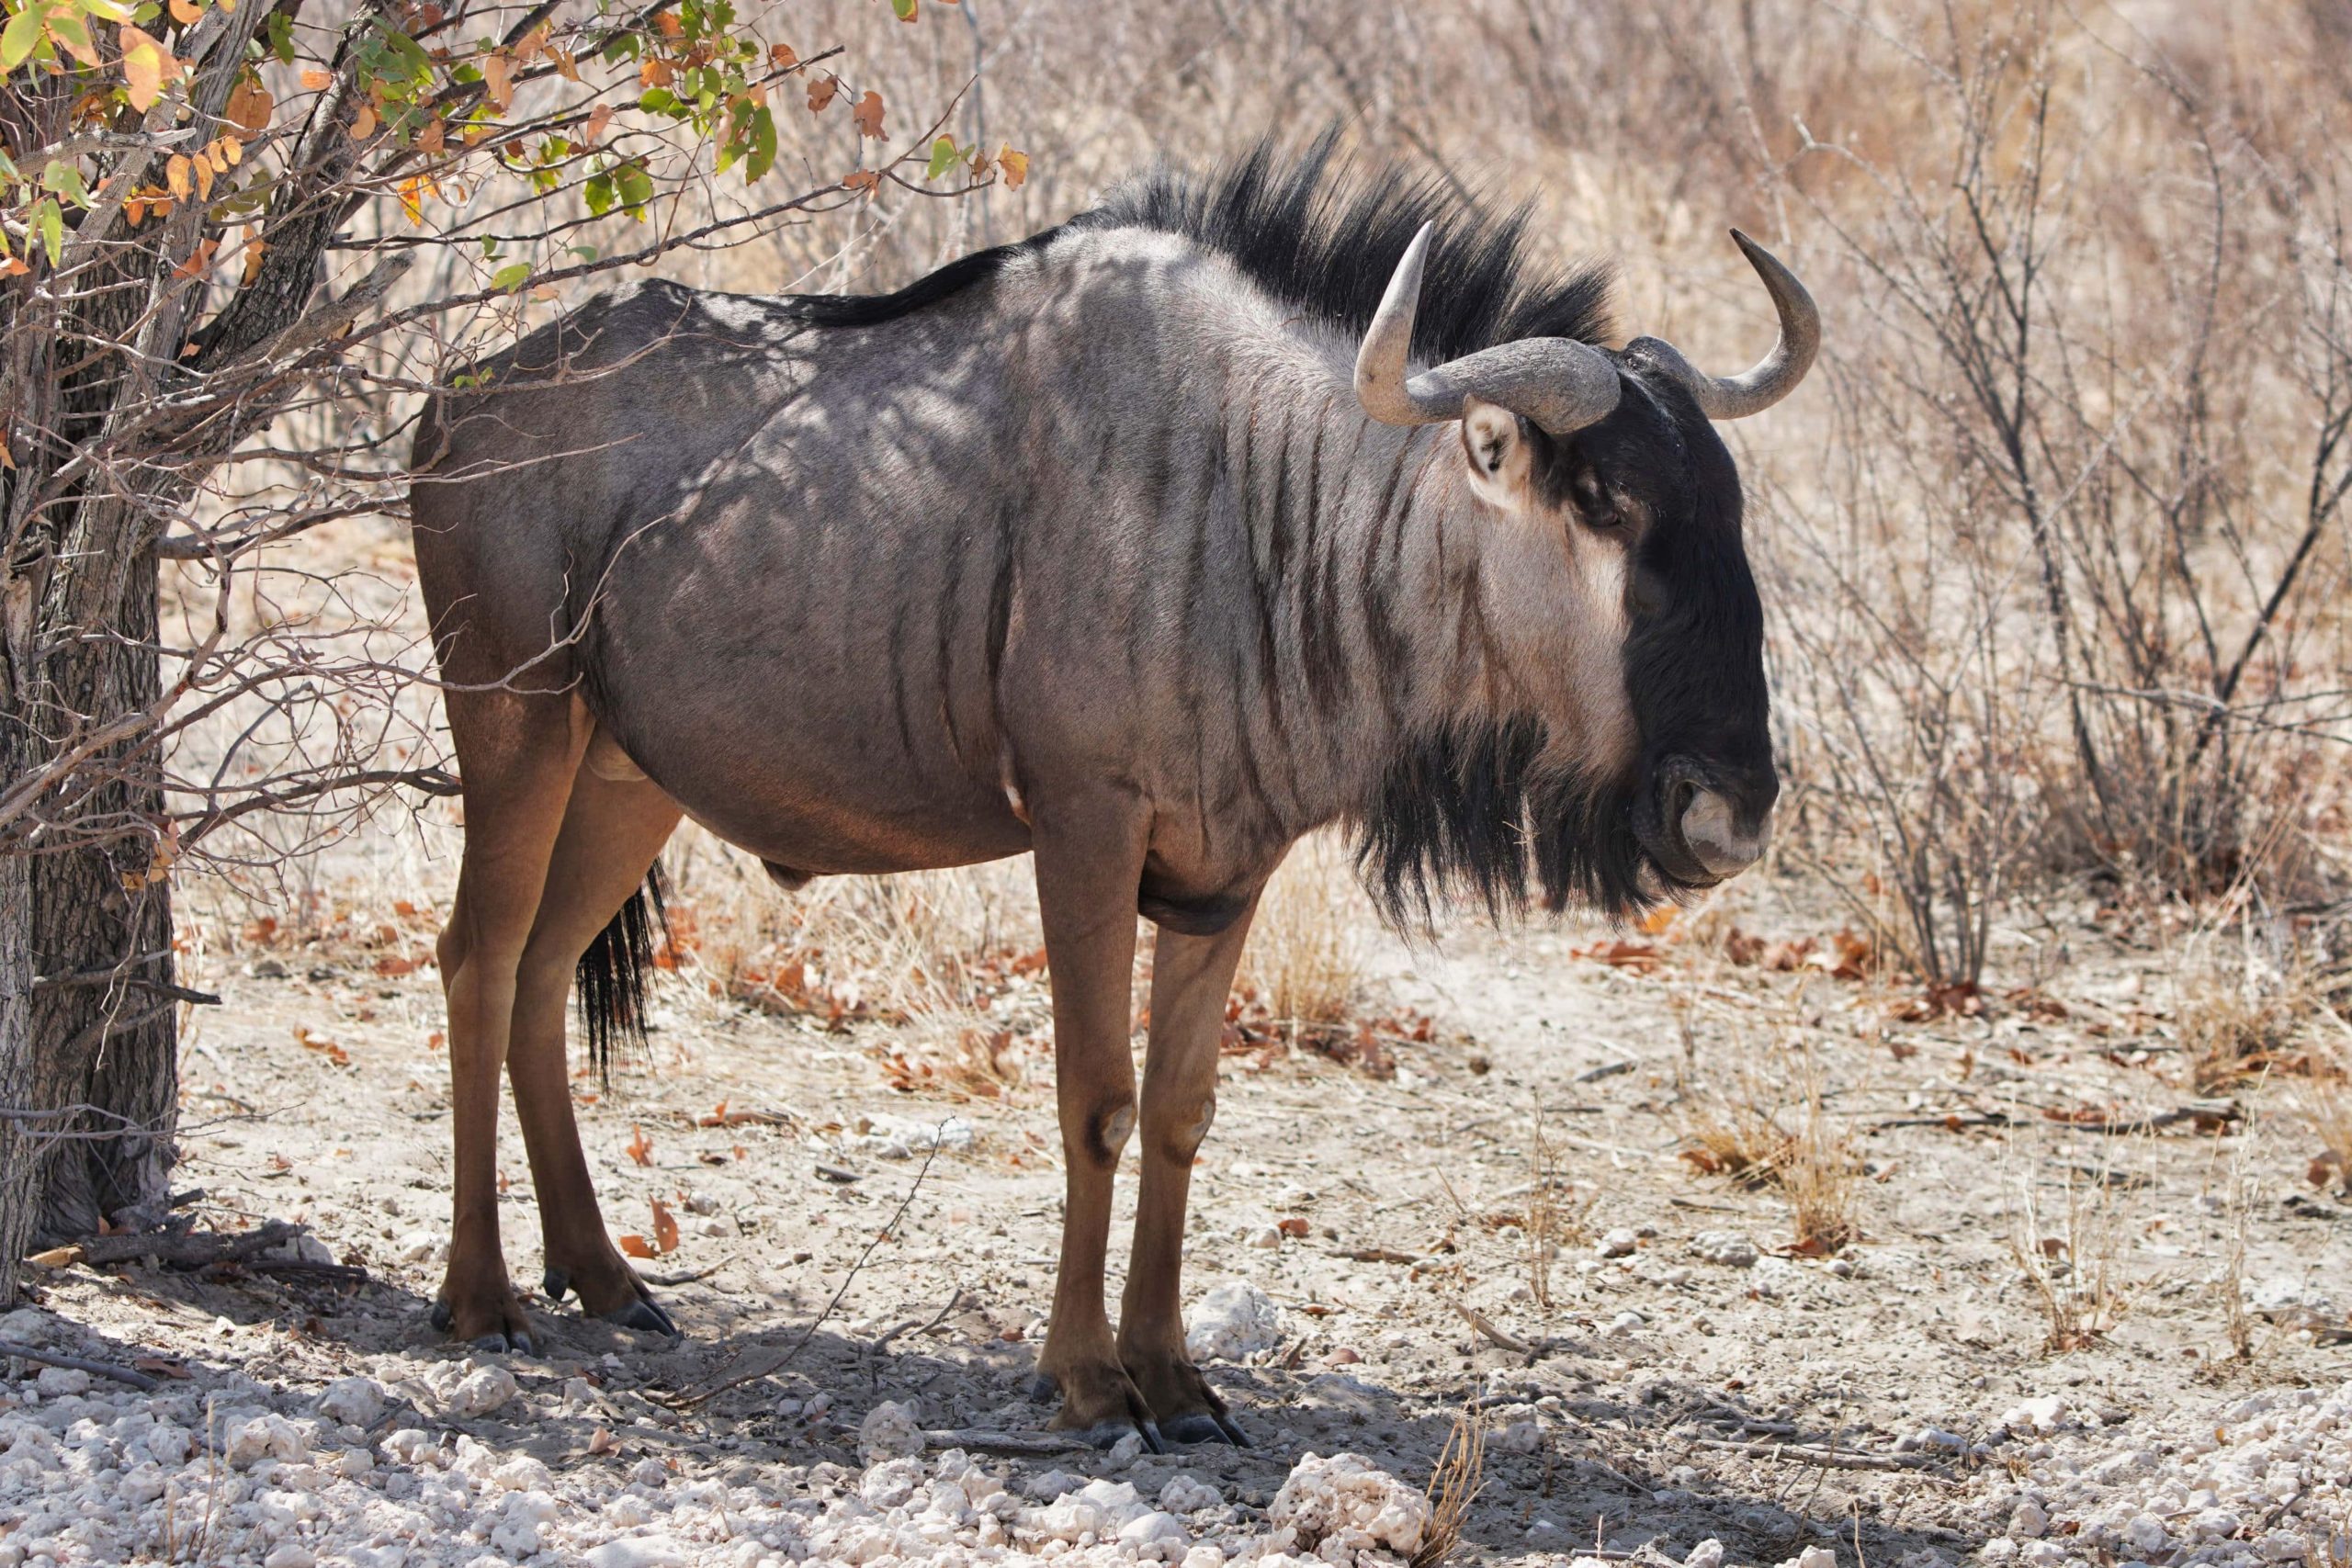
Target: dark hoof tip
[1203, 1427]
[1044, 1389]
[643, 1314]
[495, 1344]
[441, 1317]
[554, 1284]
[1111, 1434]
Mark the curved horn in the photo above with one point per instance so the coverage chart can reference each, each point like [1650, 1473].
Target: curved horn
[1559, 383]
[1778, 373]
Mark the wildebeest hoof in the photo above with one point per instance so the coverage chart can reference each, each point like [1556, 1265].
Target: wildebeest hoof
[504, 1340]
[1111, 1434]
[555, 1284]
[1044, 1389]
[643, 1313]
[441, 1317]
[1205, 1426]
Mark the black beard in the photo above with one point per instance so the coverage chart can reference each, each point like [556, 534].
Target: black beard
[1466, 809]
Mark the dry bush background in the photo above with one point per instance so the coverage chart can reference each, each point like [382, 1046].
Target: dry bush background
[2053, 545]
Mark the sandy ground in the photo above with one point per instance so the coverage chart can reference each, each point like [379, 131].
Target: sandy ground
[1669, 1380]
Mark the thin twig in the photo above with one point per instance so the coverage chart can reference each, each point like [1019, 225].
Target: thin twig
[140, 1381]
[687, 1401]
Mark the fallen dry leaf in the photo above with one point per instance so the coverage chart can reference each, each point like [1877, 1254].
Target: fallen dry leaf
[665, 1227]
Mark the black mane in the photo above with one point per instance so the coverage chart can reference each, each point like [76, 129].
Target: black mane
[1323, 237]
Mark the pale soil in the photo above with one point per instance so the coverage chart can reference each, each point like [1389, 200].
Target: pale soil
[1613, 1423]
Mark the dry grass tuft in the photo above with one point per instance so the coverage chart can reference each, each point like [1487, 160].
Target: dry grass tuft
[2325, 1103]
[1821, 1177]
[1455, 1485]
[2074, 1266]
[1744, 1135]
[1305, 959]
[2244, 1002]
[1551, 1220]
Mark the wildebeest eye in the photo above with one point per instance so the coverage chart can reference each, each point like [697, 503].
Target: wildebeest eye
[1595, 505]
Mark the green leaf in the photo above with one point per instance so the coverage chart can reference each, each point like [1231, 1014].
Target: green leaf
[658, 100]
[905, 10]
[489, 247]
[67, 181]
[509, 278]
[49, 221]
[943, 157]
[761, 139]
[635, 185]
[281, 38]
[598, 191]
[585, 253]
[20, 36]
[71, 31]
[108, 10]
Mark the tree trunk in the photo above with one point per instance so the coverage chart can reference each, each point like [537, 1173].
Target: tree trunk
[88, 1034]
[102, 934]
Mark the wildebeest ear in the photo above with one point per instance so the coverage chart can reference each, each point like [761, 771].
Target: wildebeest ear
[1494, 445]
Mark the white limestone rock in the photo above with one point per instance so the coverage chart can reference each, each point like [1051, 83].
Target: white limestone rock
[1235, 1321]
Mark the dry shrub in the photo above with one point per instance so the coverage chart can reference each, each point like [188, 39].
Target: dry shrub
[2074, 1266]
[1304, 960]
[1455, 1485]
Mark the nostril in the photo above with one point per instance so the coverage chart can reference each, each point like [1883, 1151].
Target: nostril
[1710, 830]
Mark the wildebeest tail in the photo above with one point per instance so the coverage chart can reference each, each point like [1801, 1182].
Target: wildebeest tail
[611, 976]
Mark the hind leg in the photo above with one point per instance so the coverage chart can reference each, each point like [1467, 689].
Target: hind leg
[516, 753]
[613, 829]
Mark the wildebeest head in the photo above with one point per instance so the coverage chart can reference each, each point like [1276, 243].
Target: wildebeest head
[1616, 454]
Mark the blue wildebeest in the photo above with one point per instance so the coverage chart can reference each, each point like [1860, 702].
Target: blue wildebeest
[1139, 546]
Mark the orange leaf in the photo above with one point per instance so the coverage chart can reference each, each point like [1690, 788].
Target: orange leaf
[868, 115]
[821, 90]
[640, 1146]
[362, 124]
[430, 140]
[670, 24]
[146, 66]
[865, 181]
[598, 118]
[665, 1227]
[782, 58]
[184, 11]
[316, 80]
[655, 73]
[390, 966]
[1015, 166]
[197, 265]
[636, 1246]
[498, 80]
[176, 173]
[203, 178]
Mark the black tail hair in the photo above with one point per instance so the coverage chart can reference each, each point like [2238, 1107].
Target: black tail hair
[611, 976]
